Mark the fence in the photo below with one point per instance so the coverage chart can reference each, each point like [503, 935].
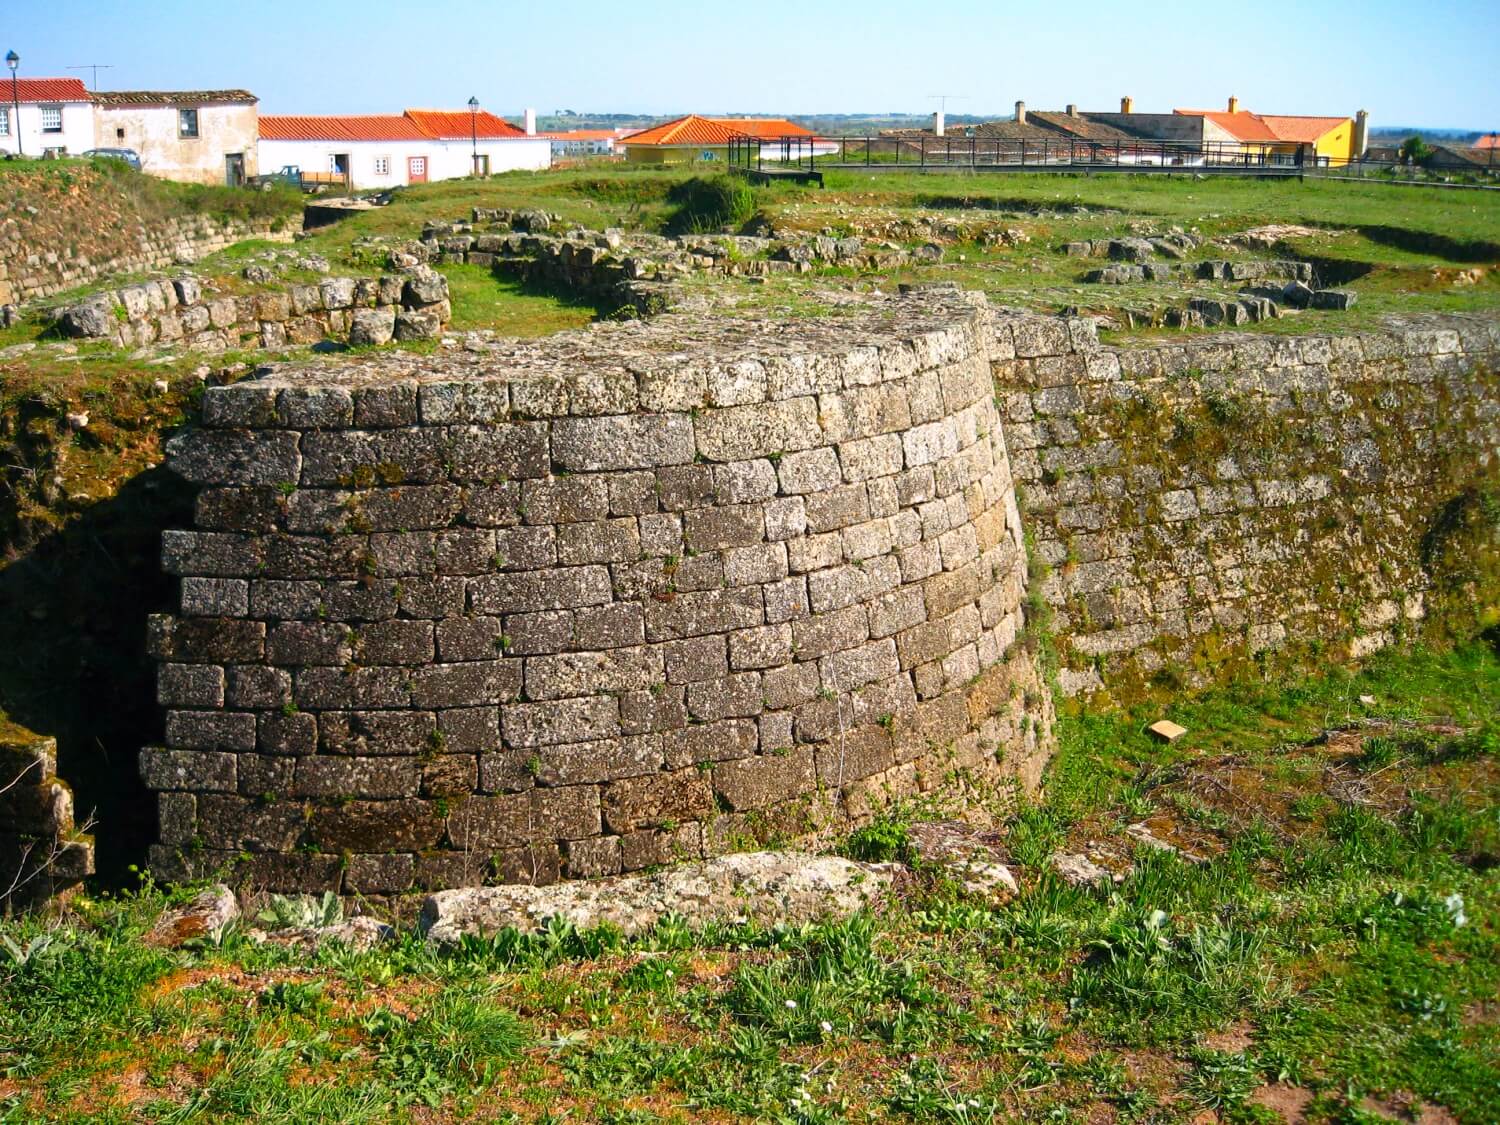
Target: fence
[803, 156]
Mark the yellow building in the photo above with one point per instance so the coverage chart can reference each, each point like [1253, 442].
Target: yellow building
[1332, 140]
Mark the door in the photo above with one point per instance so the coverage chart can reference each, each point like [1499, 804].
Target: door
[234, 169]
[416, 169]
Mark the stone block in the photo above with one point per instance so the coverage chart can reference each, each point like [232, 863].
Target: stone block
[755, 783]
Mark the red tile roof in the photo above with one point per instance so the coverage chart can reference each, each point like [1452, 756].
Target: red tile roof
[456, 124]
[1246, 126]
[413, 125]
[1489, 140]
[48, 90]
[371, 127]
[695, 130]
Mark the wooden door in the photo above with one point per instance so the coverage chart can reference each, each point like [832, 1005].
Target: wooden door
[416, 169]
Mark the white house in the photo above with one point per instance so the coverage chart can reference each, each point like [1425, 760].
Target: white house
[39, 114]
[195, 136]
[385, 150]
[585, 142]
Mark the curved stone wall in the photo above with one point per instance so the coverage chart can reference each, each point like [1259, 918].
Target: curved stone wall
[559, 608]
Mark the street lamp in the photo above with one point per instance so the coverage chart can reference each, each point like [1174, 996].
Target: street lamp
[474, 131]
[13, 60]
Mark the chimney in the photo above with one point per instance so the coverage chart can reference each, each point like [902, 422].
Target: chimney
[1020, 113]
[1127, 104]
[1234, 104]
[1072, 111]
[937, 123]
[530, 119]
[1361, 133]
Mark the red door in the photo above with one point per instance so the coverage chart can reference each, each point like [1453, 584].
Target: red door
[416, 169]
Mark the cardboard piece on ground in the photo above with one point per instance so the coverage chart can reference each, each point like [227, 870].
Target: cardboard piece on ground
[1167, 730]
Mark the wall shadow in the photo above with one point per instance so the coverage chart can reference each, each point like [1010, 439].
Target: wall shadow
[73, 662]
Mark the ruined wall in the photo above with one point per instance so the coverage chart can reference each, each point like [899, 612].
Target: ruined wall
[33, 267]
[363, 310]
[573, 606]
[42, 852]
[1225, 499]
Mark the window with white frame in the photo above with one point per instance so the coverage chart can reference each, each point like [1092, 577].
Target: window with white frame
[4, 121]
[187, 123]
[52, 119]
[382, 165]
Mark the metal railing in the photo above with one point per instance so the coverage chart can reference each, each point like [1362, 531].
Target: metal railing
[781, 156]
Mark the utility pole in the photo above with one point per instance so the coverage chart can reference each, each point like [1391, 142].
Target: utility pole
[96, 68]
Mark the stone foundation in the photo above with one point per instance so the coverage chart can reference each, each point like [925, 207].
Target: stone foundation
[593, 603]
[561, 608]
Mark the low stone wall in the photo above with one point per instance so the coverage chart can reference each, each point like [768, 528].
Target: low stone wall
[592, 603]
[41, 851]
[364, 310]
[30, 272]
[1227, 499]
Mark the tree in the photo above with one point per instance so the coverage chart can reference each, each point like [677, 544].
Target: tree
[1414, 150]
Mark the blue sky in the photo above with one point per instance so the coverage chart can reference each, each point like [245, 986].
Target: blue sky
[1429, 64]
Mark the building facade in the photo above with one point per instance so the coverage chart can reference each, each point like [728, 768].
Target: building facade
[195, 136]
[39, 115]
[391, 150]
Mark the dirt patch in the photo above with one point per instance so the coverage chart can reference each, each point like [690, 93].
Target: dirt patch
[1232, 1040]
[1286, 1101]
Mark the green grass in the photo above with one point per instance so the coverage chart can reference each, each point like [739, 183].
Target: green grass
[482, 300]
[1348, 948]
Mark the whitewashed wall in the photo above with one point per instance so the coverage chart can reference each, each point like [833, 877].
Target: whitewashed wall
[446, 160]
[77, 133]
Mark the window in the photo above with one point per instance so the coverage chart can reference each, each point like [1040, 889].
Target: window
[382, 165]
[187, 122]
[52, 119]
[4, 121]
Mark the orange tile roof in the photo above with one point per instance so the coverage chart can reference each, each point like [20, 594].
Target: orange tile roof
[695, 130]
[1306, 129]
[47, 90]
[369, 127]
[1489, 140]
[1246, 126]
[456, 124]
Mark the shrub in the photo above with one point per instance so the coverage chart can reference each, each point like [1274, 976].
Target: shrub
[710, 203]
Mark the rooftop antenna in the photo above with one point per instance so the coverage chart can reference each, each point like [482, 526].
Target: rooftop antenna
[96, 68]
[940, 117]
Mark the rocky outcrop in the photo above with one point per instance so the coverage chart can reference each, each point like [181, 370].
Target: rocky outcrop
[760, 888]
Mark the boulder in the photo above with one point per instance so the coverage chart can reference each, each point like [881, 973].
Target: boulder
[360, 933]
[338, 292]
[93, 318]
[425, 286]
[966, 855]
[373, 326]
[1297, 294]
[1333, 299]
[1130, 250]
[201, 916]
[417, 324]
[188, 290]
[759, 887]
[1080, 871]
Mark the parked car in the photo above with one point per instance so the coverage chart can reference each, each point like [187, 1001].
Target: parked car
[129, 155]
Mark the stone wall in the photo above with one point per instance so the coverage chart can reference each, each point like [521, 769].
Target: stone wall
[587, 604]
[1219, 500]
[41, 851]
[31, 269]
[363, 310]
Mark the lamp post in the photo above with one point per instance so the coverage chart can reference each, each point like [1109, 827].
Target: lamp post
[474, 132]
[13, 60]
